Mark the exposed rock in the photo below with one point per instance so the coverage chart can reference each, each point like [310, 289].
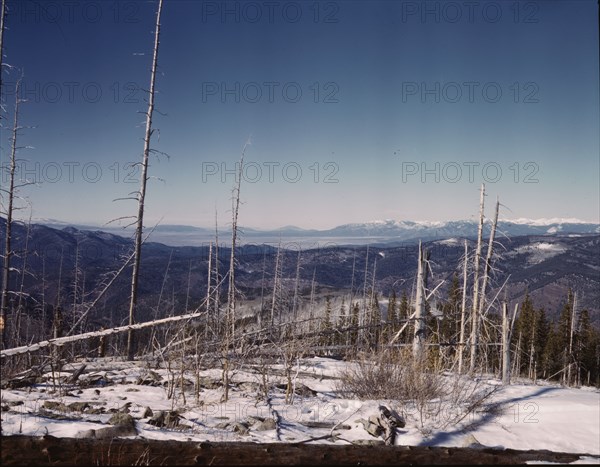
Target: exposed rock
[206, 383]
[372, 425]
[472, 442]
[252, 419]
[53, 405]
[108, 432]
[147, 412]
[240, 428]
[121, 418]
[165, 419]
[268, 424]
[78, 406]
[393, 417]
[149, 379]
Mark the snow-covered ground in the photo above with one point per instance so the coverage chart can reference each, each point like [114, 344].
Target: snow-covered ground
[524, 415]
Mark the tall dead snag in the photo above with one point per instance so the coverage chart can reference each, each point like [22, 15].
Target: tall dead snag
[275, 305]
[570, 359]
[475, 306]
[507, 327]
[419, 335]
[231, 292]
[209, 321]
[488, 260]
[217, 298]
[2, 16]
[9, 217]
[463, 311]
[141, 196]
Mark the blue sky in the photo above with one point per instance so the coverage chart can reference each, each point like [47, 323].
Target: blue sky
[356, 110]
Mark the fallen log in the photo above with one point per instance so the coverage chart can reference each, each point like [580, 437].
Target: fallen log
[48, 450]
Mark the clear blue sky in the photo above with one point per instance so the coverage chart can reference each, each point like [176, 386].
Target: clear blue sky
[356, 110]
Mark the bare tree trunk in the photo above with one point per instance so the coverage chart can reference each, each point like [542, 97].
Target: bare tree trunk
[571, 333]
[505, 346]
[475, 309]
[9, 214]
[276, 287]
[311, 312]
[259, 318]
[363, 318]
[187, 290]
[419, 335]
[209, 321]
[531, 372]
[217, 297]
[296, 286]
[463, 310]
[142, 193]
[488, 260]
[2, 16]
[231, 292]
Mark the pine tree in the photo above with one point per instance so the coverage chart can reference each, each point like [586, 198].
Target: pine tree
[450, 325]
[564, 327]
[404, 313]
[539, 340]
[374, 321]
[391, 317]
[587, 350]
[354, 323]
[342, 324]
[524, 329]
[326, 325]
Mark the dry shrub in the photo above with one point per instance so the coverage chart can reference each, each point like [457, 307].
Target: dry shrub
[436, 400]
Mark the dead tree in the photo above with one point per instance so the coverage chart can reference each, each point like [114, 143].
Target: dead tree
[275, 305]
[2, 16]
[10, 192]
[463, 311]
[488, 260]
[475, 306]
[507, 327]
[141, 195]
[420, 327]
[208, 289]
[231, 291]
[296, 290]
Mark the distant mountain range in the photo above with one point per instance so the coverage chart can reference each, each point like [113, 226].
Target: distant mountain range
[388, 232]
[546, 262]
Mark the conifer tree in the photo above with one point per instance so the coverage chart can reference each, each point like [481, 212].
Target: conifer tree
[524, 329]
[341, 325]
[354, 323]
[326, 325]
[391, 317]
[374, 321]
[404, 313]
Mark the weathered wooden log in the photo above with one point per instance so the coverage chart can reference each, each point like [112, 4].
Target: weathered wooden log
[48, 450]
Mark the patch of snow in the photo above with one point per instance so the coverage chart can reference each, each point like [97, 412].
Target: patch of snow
[528, 416]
